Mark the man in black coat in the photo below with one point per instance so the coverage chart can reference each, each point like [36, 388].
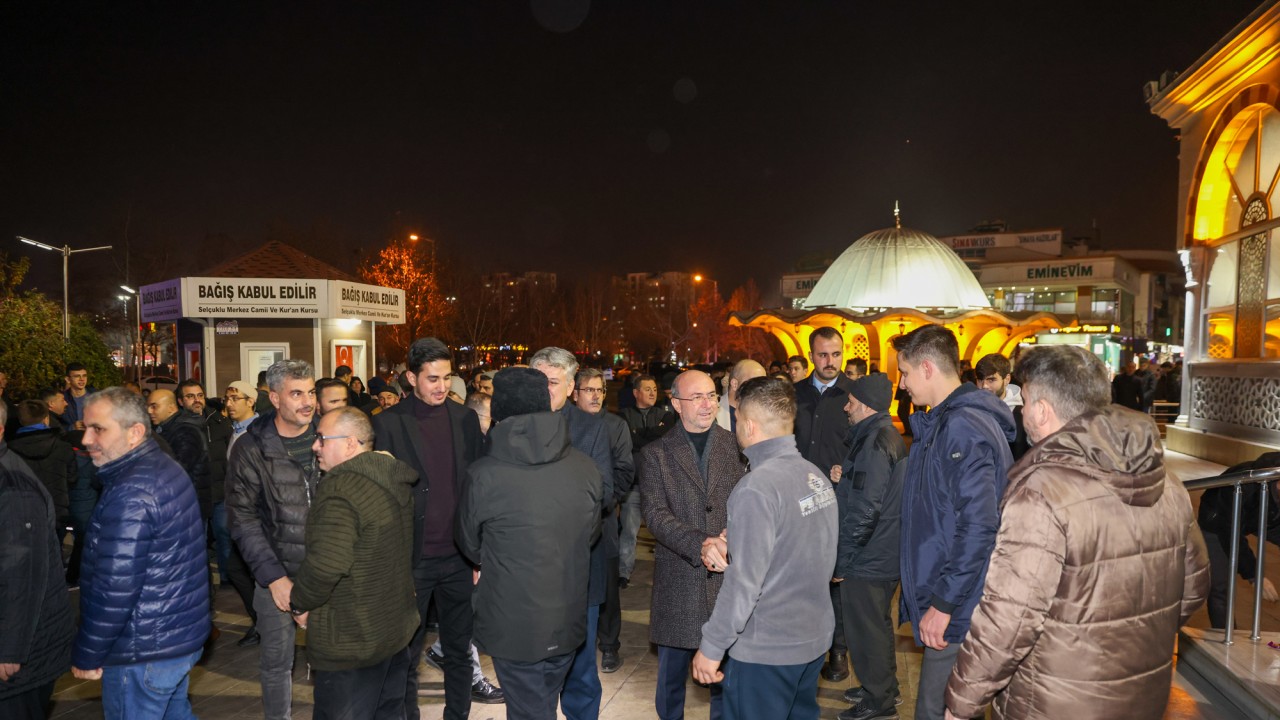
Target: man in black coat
[822, 437]
[35, 610]
[580, 699]
[184, 431]
[528, 518]
[685, 481]
[49, 456]
[439, 440]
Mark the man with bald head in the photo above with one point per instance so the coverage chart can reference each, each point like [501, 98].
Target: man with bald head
[685, 480]
[743, 371]
[183, 430]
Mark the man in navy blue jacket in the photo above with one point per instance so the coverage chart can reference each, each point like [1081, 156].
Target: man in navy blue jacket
[144, 581]
[956, 474]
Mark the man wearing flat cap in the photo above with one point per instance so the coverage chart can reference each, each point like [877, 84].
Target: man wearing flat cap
[528, 518]
[869, 495]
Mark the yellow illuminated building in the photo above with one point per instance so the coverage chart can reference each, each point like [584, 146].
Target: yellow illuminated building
[1226, 109]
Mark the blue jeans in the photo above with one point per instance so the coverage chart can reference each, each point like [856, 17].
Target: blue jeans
[221, 540]
[771, 692]
[673, 674]
[630, 527]
[580, 699]
[148, 690]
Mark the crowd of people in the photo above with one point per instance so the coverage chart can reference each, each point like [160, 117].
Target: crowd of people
[1041, 553]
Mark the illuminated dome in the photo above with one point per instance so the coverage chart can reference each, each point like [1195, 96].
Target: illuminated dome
[898, 267]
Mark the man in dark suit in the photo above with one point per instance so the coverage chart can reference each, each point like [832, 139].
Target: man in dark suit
[822, 430]
[580, 699]
[438, 439]
[685, 481]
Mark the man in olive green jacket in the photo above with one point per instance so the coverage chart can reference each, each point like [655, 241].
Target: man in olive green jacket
[355, 588]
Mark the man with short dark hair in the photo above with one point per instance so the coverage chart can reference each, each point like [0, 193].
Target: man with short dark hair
[354, 590]
[78, 388]
[797, 367]
[51, 458]
[439, 440]
[331, 394]
[56, 402]
[995, 375]
[685, 480]
[855, 368]
[1060, 631]
[772, 622]
[35, 647]
[144, 583]
[528, 518]
[184, 431]
[273, 478]
[647, 422]
[956, 475]
[589, 395]
[821, 433]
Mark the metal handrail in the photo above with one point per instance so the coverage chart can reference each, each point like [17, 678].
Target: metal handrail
[1239, 480]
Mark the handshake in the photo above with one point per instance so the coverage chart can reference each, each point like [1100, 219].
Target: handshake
[715, 552]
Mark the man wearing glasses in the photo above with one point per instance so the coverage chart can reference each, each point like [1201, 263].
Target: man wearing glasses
[355, 587]
[685, 481]
[238, 402]
[273, 481]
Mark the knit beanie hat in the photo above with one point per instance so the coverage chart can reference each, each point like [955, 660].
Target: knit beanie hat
[874, 391]
[519, 391]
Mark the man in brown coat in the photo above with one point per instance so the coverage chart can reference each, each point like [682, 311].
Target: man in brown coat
[1078, 619]
[685, 481]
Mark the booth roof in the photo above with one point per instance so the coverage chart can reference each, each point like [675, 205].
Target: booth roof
[278, 260]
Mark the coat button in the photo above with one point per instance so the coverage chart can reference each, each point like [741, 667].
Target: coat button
[709, 508]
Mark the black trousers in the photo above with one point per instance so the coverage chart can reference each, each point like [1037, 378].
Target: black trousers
[868, 627]
[838, 643]
[242, 580]
[448, 579]
[611, 610]
[532, 689]
[30, 704]
[375, 692]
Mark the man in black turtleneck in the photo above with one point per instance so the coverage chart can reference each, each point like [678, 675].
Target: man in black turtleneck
[438, 439]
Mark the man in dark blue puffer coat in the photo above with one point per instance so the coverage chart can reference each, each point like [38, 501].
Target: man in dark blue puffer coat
[144, 585]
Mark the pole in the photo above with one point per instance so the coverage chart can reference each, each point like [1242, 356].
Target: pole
[66, 294]
[137, 358]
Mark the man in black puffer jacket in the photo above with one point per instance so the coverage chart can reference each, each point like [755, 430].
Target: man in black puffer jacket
[184, 431]
[51, 458]
[271, 480]
[35, 647]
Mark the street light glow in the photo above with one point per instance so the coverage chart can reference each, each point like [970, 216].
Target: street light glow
[41, 245]
[128, 289]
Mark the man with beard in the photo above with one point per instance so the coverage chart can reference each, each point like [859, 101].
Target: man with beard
[273, 479]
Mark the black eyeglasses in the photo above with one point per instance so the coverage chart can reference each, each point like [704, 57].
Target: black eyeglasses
[322, 438]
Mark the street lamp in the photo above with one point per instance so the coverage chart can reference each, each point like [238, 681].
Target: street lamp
[66, 251]
[137, 353]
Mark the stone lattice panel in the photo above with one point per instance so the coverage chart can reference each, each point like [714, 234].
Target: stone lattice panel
[1248, 402]
[1251, 296]
[861, 348]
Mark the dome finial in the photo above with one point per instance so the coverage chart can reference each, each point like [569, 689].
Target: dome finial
[897, 216]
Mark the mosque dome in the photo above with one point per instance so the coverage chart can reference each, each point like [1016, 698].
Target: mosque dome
[898, 267]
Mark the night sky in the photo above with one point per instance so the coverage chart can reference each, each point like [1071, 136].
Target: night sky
[732, 138]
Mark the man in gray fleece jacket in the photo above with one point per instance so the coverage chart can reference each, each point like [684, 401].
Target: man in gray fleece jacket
[773, 616]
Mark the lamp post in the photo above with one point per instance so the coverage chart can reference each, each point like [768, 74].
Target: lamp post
[137, 355]
[66, 252]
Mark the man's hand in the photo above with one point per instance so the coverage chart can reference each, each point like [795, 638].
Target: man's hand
[87, 674]
[475, 576]
[1268, 590]
[301, 620]
[837, 580]
[715, 554]
[8, 670]
[932, 627]
[836, 473]
[706, 670]
[280, 589]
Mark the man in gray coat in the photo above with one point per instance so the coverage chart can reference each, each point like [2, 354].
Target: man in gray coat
[685, 481]
[772, 623]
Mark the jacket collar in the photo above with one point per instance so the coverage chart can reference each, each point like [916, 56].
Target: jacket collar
[766, 450]
[116, 468]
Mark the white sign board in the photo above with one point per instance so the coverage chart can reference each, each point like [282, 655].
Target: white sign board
[1048, 242]
[799, 285]
[255, 297]
[366, 302]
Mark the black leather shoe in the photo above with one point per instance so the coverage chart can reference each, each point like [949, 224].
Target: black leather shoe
[854, 695]
[864, 711]
[486, 693]
[610, 661]
[250, 638]
[624, 583]
[837, 668]
[434, 660]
